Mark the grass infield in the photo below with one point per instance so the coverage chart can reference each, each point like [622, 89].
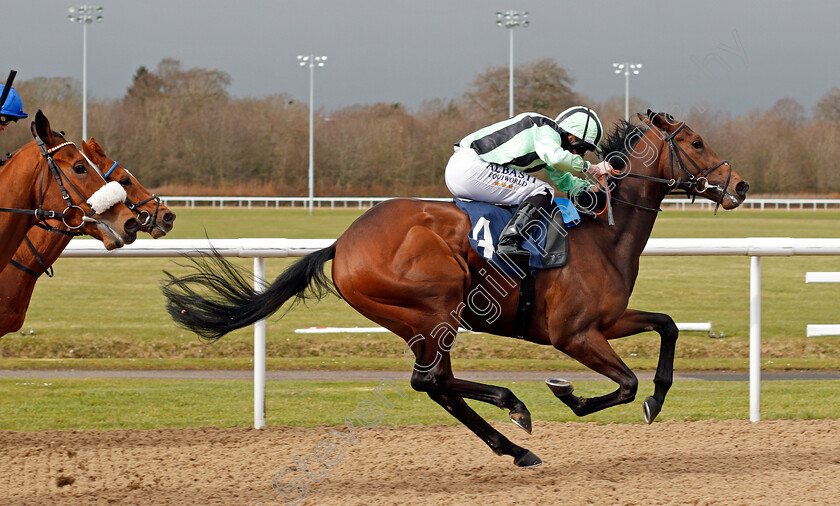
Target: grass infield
[105, 404]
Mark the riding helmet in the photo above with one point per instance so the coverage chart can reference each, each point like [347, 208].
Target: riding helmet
[583, 123]
[13, 107]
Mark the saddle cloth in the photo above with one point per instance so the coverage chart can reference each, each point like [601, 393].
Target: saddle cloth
[545, 240]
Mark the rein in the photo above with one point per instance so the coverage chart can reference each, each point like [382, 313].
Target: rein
[47, 270]
[691, 186]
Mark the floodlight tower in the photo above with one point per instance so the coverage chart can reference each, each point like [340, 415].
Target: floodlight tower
[626, 68]
[311, 61]
[86, 14]
[510, 20]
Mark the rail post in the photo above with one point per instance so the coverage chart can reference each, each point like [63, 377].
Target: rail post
[755, 338]
[259, 350]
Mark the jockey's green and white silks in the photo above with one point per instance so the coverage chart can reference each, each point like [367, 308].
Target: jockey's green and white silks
[529, 142]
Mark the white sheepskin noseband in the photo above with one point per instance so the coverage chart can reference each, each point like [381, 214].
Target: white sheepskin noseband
[107, 196]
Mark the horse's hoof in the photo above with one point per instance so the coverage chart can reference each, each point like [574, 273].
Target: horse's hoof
[527, 459]
[522, 419]
[651, 409]
[560, 387]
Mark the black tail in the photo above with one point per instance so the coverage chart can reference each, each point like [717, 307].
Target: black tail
[230, 301]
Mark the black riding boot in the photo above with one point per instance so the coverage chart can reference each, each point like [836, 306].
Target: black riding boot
[513, 233]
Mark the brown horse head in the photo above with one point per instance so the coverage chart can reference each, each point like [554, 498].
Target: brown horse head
[99, 206]
[691, 159]
[156, 219]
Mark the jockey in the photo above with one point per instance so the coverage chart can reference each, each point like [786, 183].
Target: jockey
[12, 109]
[492, 165]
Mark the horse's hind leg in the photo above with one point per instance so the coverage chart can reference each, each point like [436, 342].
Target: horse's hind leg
[437, 383]
[497, 442]
[593, 351]
[500, 397]
[414, 294]
[633, 322]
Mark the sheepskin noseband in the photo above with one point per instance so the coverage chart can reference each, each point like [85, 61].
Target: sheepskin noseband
[107, 196]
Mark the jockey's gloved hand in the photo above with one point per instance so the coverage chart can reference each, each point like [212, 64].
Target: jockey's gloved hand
[601, 169]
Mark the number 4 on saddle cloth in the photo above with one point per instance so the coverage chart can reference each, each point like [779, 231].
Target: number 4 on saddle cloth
[545, 240]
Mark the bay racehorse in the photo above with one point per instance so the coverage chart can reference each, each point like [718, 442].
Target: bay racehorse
[407, 265]
[48, 181]
[41, 248]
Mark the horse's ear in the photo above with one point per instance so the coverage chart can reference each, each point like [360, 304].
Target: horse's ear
[665, 122]
[41, 128]
[660, 121]
[96, 148]
[647, 118]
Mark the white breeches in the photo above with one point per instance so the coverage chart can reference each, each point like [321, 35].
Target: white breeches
[470, 177]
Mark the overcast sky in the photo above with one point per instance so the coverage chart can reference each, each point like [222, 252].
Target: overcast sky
[725, 55]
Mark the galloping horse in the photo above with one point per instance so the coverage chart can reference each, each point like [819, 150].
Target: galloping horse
[407, 265]
[42, 248]
[48, 175]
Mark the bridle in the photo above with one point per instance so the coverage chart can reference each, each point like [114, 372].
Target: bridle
[145, 218]
[43, 215]
[691, 185]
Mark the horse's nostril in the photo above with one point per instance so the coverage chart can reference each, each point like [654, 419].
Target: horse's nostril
[132, 226]
[168, 218]
[742, 188]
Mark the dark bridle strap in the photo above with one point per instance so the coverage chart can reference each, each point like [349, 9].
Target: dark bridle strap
[46, 270]
[676, 183]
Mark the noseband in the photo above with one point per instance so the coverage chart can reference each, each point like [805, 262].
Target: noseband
[144, 217]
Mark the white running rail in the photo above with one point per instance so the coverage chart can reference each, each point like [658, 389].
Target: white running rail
[259, 249]
[818, 330]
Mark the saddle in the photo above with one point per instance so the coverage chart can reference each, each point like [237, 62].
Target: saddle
[546, 240]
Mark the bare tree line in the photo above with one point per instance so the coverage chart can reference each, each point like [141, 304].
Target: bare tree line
[180, 132]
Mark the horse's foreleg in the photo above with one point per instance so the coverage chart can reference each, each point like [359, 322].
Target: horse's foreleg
[634, 322]
[593, 351]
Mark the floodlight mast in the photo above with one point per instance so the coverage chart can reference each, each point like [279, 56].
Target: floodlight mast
[627, 68]
[311, 61]
[86, 14]
[511, 19]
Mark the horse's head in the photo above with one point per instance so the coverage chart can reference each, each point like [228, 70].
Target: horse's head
[155, 218]
[69, 182]
[692, 164]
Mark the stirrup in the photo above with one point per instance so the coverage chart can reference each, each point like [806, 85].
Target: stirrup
[515, 253]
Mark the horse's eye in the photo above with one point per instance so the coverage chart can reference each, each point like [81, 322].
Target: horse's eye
[697, 144]
[80, 168]
[125, 181]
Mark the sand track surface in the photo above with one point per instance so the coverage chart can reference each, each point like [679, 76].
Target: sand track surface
[707, 462]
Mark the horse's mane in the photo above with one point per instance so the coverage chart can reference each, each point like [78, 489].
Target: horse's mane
[622, 139]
